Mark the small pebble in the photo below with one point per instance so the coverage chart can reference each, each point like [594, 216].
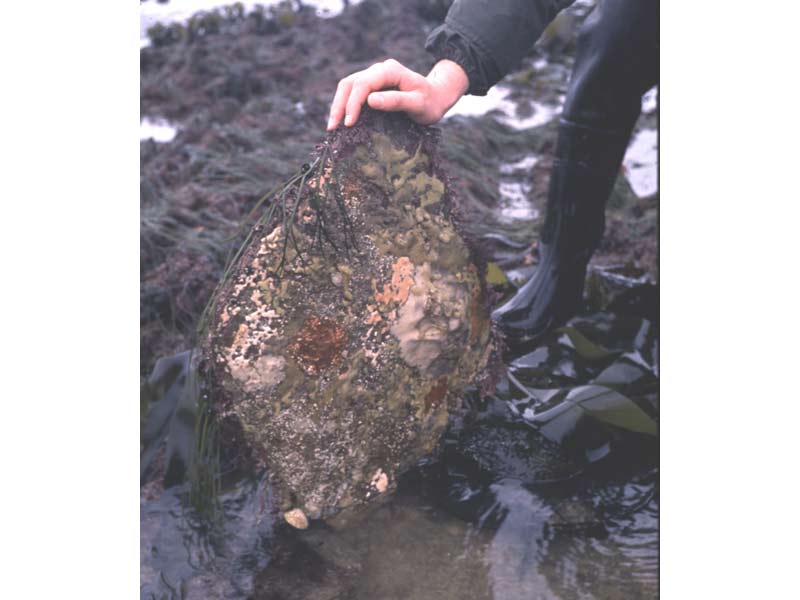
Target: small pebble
[296, 518]
[380, 481]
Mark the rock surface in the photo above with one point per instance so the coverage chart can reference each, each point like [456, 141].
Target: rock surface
[354, 316]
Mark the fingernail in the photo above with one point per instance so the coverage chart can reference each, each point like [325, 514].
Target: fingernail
[330, 123]
[377, 100]
[348, 120]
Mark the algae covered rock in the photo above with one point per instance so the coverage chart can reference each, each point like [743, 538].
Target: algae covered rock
[354, 315]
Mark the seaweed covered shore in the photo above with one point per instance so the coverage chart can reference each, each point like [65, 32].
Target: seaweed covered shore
[248, 92]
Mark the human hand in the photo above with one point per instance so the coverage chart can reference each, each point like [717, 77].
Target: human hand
[424, 99]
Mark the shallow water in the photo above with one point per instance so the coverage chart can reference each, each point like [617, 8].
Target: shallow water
[159, 130]
[641, 162]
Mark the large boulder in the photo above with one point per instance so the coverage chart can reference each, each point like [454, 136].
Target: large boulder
[355, 314]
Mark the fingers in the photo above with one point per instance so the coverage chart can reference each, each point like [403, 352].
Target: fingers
[340, 101]
[354, 90]
[377, 77]
[410, 102]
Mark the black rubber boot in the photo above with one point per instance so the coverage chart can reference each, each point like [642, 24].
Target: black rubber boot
[586, 165]
[615, 63]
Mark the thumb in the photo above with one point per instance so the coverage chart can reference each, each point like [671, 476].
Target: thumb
[396, 101]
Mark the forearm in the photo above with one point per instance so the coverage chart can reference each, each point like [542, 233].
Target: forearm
[487, 38]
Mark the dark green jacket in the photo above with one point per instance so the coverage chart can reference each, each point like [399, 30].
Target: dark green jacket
[488, 38]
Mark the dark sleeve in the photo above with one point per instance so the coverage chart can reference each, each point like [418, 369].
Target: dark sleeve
[489, 37]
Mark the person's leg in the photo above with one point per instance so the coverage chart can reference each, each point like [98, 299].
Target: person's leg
[616, 62]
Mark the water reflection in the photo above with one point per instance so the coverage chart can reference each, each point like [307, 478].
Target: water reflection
[159, 130]
[183, 558]
[180, 11]
[515, 552]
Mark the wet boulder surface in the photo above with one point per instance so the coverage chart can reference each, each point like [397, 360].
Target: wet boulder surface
[355, 314]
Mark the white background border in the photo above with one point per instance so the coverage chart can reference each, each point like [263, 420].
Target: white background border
[729, 253]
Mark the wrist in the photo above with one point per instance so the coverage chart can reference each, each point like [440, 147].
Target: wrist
[449, 82]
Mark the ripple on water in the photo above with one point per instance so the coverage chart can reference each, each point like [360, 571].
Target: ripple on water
[176, 553]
